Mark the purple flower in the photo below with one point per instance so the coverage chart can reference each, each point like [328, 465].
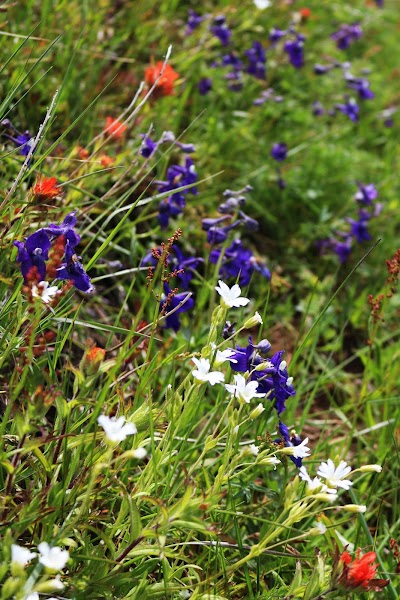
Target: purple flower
[350, 109]
[238, 261]
[194, 20]
[359, 228]
[317, 109]
[322, 69]
[295, 50]
[205, 85]
[366, 194]
[172, 301]
[33, 253]
[342, 249]
[73, 270]
[361, 86]
[279, 151]
[256, 56]
[276, 34]
[177, 176]
[346, 35]
[148, 147]
[220, 29]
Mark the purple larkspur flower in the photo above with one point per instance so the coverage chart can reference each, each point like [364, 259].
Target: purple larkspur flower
[238, 261]
[148, 146]
[194, 20]
[279, 151]
[220, 29]
[257, 58]
[295, 50]
[366, 194]
[317, 109]
[362, 87]
[350, 108]
[346, 35]
[177, 176]
[205, 85]
[322, 69]
[33, 253]
[72, 270]
[172, 321]
[276, 34]
[359, 227]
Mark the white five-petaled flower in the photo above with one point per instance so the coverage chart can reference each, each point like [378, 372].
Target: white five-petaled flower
[254, 449]
[261, 4]
[314, 484]
[44, 292]
[203, 374]
[222, 355]
[300, 451]
[242, 390]
[116, 430]
[230, 297]
[21, 556]
[52, 557]
[335, 475]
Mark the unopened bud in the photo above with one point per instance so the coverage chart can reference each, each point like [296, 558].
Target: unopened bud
[370, 469]
[355, 508]
[253, 321]
[256, 412]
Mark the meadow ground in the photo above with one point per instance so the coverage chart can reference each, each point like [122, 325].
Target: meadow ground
[199, 263]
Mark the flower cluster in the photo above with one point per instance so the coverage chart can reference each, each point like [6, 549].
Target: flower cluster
[177, 176]
[236, 260]
[346, 35]
[36, 260]
[343, 240]
[359, 573]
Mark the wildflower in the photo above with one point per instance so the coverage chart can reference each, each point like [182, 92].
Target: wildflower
[312, 484]
[256, 56]
[222, 356]
[33, 253]
[203, 374]
[116, 430]
[194, 20]
[295, 50]
[370, 469]
[220, 29]
[230, 297]
[52, 557]
[350, 108]
[276, 34]
[298, 451]
[254, 449]
[24, 141]
[262, 4]
[205, 85]
[322, 69]
[177, 176]
[360, 572]
[21, 556]
[239, 261]
[148, 147]
[366, 194]
[106, 161]
[174, 303]
[279, 151]
[242, 390]
[335, 475]
[257, 411]
[355, 508]
[164, 85]
[139, 453]
[46, 188]
[114, 128]
[73, 270]
[362, 87]
[346, 35]
[253, 321]
[359, 228]
[44, 292]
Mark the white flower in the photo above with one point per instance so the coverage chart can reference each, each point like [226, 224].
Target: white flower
[139, 453]
[356, 508]
[203, 373]
[254, 449]
[261, 4]
[321, 527]
[316, 483]
[223, 355]
[345, 543]
[257, 411]
[33, 596]
[242, 390]
[300, 451]
[116, 430]
[21, 556]
[53, 558]
[335, 475]
[270, 461]
[230, 297]
[44, 292]
[253, 321]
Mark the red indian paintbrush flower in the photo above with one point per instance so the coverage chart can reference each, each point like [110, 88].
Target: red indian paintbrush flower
[114, 127]
[165, 85]
[360, 572]
[46, 188]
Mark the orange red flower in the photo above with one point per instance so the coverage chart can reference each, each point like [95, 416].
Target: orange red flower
[46, 188]
[165, 84]
[360, 572]
[114, 127]
[305, 13]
